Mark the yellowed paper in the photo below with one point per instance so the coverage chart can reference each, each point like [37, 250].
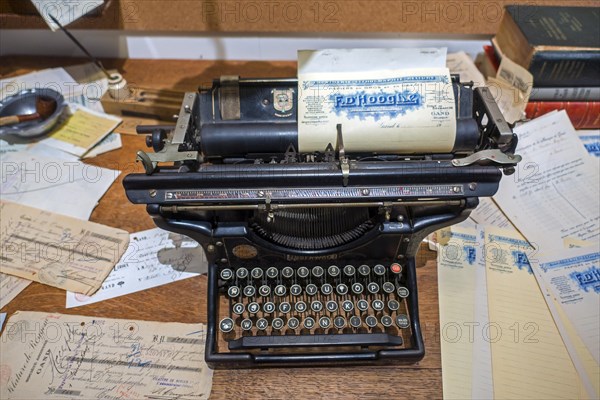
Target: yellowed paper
[10, 287]
[55, 356]
[461, 63]
[529, 358]
[56, 250]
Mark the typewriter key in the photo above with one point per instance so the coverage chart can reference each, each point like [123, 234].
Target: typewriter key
[403, 292]
[303, 272]
[326, 289]
[285, 307]
[277, 323]
[316, 306]
[253, 308]
[393, 305]
[388, 287]
[349, 270]
[362, 305]
[269, 307]
[226, 325]
[341, 289]
[249, 291]
[262, 324]
[311, 289]
[339, 322]
[246, 324]
[386, 321]
[300, 306]
[293, 323]
[238, 308]
[379, 270]
[296, 290]
[373, 288]
[317, 271]
[308, 322]
[355, 321]
[377, 305]
[272, 272]
[333, 271]
[241, 273]
[287, 272]
[347, 306]
[226, 274]
[364, 270]
[371, 321]
[402, 321]
[257, 273]
[324, 322]
[396, 268]
[233, 291]
[332, 306]
[264, 290]
[357, 288]
[280, 290]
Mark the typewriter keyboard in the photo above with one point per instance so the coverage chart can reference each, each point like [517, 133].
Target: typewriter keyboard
[263, 307]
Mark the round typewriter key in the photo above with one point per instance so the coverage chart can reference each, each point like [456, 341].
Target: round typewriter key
[280, 290]
[226, 274]
[249, 291]
[333, 271]
[269, 307]
[386, 321]
[264, 290]
[253, 308]
[403, 292]
[357, 288]
[300, 306]
[355, 321]
[257, 273]
[326, 289]
[393, 305]
[362, 305]
[402, 321]
[388, 287]
[226, 325]
[379, 270]
[277, 323]
[373, 288]
[311, 289]
[324, 322]
[262, 324]
[341, 289]
[246, 324]
[316, 306]
[317, 271]
[241, 273]
[308, 322]
[377, 305]
[287, 272]
[332, 306]
[233, 291]
[293, 323]
[272, 272]
[347, 306]
[303, 272]
[396, 268]
[296, 290]
[371, 321]
[339, 322]
[238, 308]
[349, 270]
[364, 270]
[285, 307]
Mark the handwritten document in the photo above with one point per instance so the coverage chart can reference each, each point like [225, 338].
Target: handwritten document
[10, 287]
[488, 213]
[154, 257]
[554, 193]
[56, 250]
[54, 356]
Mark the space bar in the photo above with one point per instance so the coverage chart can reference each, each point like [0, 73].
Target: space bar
[346, 339]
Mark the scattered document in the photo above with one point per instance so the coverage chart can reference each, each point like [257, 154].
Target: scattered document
[57, 250]
[554, 193]
[511, 89]
[154, 257]
[10, 287]
[461, 63]
[65, 11]
[70, 356]
[2, 318]
[109, 143]
[488, 213]
[591, 141]
[64, 187]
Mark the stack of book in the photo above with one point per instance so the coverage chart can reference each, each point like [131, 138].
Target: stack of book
[560, 47]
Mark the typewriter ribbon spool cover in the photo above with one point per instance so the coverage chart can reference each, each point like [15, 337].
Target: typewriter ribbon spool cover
[387, 100]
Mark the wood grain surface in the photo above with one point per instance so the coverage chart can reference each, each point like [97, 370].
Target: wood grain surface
[184, 301]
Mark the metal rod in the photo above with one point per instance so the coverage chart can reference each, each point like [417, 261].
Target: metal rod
[91, 57]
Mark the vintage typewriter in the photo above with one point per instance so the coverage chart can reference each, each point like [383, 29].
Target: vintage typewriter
[311, 256]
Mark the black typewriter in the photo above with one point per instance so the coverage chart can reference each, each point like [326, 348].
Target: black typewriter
[311, 255]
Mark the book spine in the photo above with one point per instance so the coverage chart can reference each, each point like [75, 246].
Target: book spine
[565, 68]
[583, 114]
[565, 94]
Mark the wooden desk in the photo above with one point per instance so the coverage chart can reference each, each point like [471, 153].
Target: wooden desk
[184, 301]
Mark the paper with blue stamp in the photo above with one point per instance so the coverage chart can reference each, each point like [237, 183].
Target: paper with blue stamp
[387, 100]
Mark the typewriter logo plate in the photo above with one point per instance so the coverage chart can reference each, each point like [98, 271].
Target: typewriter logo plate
[283, 100]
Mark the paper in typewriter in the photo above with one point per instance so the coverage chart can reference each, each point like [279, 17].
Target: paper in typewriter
[55, 356]
[387, 100]
[529, 358]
